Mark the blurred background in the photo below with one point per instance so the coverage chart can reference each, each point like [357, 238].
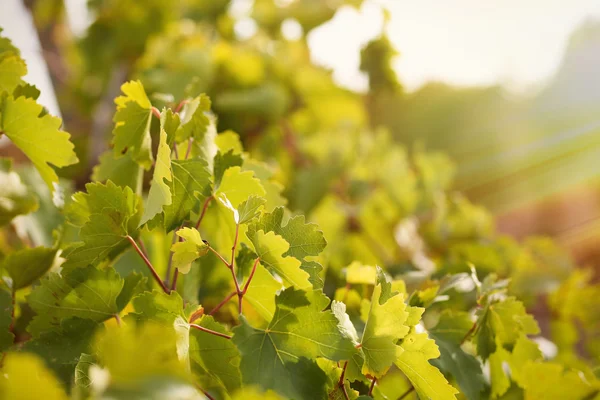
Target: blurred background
[507, 89]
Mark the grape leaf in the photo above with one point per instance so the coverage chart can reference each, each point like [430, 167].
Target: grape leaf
[270, 248]
[275, 358]
[238, 186]
[187, 251]
[549, 381]
[429, 382]
[160, 193]
[26, 265]
[386, 324]
[132, 124]
[502, 322]
[190, 186]
[222, 162]
[26, 377]
[166, 309]
[15, 197]
[135, 354]
[122, 171]
[83, 381]
[87, 293]
[215, 358]
[37, 136]
[12, 66]
[6, 311]
[194, 121]
[109, 214]
[262, 292]
[304, 239]
[466, 369]
[62, 348]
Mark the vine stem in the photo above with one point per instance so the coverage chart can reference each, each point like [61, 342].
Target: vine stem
[13, 302]
[204, 207]
[175, 275]
[155, 112]
[341, 381]
[409, 391]
[170, 262]
[372, 386]
[208, 396]
[203, 329]
[180, 105]
[247, 284]
[118, 319]
[222, 303]
[219, 256]
[148, 263]
[469, 333]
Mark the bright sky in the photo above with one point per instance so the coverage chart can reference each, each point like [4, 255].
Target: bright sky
[466, 42]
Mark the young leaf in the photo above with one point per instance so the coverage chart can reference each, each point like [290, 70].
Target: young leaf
[15, 197]
[132, 124]
[27, 265]
[191, 248]
[38, 137]
[109, 214]
[12, 66]
[417, 350]
[190, 186]
[238, 186]
[270, 248]
[222, 162]
[160, 193]
[194, 121]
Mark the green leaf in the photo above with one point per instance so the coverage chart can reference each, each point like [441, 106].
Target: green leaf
[222, 162]
[503, 322]
[187, 251]
[167, 310]
[304, 239]
[215, 358]
[122, 171]
[270, 248]
[250, 209]
[160, 192]
[386, 324]
[132, 124]
[279, 357]
[61, 348]
[87, 293]
[134, 355]
[194, 121]
[15, 197]
[6, 311]
[262, 292]
[38, 137]
[12, 66]
[238, 186]
[190, 186]
[26, 90]
[429, 382]
[466, 369]
[27, 265]
[83, 380]
[549, 381]
[26, 377]
[109, 213]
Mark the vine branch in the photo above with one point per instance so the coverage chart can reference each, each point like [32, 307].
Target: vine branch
[148, 263]
[203, 329]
